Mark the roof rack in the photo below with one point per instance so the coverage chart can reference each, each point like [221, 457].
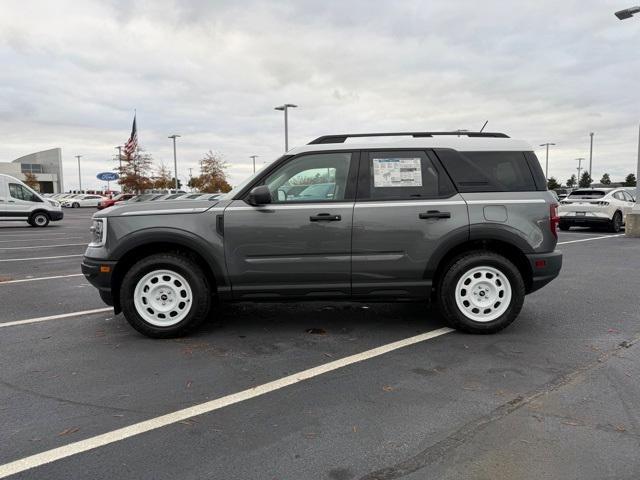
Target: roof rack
[342, 138]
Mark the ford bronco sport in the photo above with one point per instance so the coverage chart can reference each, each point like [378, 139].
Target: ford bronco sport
[460, 218]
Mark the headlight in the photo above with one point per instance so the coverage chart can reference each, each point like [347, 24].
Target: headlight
[98, 232]
[53, 203]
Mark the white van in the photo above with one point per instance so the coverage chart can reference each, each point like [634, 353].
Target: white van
[19, 202]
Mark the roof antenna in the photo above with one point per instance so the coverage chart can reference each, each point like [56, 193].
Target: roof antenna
[485, 124]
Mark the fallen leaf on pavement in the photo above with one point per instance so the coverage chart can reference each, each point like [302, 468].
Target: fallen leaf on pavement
[387, 388]
[68, 431]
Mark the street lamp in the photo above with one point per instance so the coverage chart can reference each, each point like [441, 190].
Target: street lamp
[579, 168]
[79, 176]
[254, 161]
[632, 227]
[284, 108]
[175, 159]
[119, 148]
[546, 163]
[591, 155]
[627, 13]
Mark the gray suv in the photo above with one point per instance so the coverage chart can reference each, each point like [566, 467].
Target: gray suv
[460, 218]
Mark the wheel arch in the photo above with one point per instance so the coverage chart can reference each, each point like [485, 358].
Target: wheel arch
[503, 244]
[152, 241]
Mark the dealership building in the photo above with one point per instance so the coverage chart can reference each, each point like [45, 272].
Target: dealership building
[45, 165]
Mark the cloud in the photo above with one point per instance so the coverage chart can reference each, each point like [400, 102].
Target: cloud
[212, 71]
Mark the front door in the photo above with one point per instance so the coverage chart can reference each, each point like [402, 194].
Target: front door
[18, 201]
[300, 244]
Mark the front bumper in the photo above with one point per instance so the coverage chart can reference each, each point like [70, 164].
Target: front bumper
[54, 215]
[98, 273]
[545, 267]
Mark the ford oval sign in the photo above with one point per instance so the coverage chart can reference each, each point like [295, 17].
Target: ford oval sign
[108, 176]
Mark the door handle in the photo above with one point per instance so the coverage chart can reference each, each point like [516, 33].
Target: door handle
[12, 201]
[434, 214]
[325, 217]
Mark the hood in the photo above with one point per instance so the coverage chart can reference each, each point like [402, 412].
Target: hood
[159, 207]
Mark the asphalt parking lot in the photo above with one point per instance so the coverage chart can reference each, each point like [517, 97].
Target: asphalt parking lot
[556, 395]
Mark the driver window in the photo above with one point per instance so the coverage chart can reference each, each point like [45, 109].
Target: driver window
[18, 192]
[320, 177]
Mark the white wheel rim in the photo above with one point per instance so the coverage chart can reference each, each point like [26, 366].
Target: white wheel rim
[483, 294]
[163, 298]
[40, 220]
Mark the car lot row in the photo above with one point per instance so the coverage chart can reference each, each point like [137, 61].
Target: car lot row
[428, 406]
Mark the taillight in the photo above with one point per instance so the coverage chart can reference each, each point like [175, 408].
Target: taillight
[554, 219]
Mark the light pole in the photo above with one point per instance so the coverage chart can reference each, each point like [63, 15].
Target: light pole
[579, 169]
[632, 227]
[284, 108]
[79, 176]
[591, 156]
[119, 147]
[546, 163]
[254, 161]
[175, 159]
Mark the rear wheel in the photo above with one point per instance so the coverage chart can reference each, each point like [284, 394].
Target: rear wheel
[39, 219]
[165, 295]
[616, 223]
[75, 205]
[481, 292]
[564, 226]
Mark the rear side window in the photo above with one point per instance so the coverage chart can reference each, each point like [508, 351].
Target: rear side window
[489, 171]
[402, 175]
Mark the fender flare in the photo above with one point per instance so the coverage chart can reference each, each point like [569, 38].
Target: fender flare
[176, 236]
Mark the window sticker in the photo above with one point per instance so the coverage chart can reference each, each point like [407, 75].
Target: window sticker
[397, 172]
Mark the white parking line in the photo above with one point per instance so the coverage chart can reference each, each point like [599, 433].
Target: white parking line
[39, 239]
[54, 317]
[22, 280]
[45, 246]
[37, 258]
[591, 238]
[55, 454]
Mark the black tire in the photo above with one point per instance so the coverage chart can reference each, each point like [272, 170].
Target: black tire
[39, 219]
[193, 275]
[564, 226]
[75, 205]
[616, 223]
[446, 291]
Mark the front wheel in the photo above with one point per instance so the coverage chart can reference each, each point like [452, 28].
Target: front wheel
[75, 205]
[39, 220]
[165, 295]
[481, 292]
[564, 226]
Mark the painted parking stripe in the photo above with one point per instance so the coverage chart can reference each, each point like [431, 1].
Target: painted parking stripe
[38, 258]
[23, 280]
[40, 239]
[55, 317]
[45, 246]
[91, 443]
[591, 238]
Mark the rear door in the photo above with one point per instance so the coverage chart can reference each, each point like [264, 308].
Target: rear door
[406, 210]
[300, 244]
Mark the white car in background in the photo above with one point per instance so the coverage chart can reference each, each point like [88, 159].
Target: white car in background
[595, 207]
[83, 201]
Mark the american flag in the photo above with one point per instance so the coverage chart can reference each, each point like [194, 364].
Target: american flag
[132, 144]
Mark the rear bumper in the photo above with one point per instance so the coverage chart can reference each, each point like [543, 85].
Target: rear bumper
[55, 215]
[574, 220]
[545, 267]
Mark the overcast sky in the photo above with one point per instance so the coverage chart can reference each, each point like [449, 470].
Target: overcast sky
[71, 74]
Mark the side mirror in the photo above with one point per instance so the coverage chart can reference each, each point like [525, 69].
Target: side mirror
[259, 196]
